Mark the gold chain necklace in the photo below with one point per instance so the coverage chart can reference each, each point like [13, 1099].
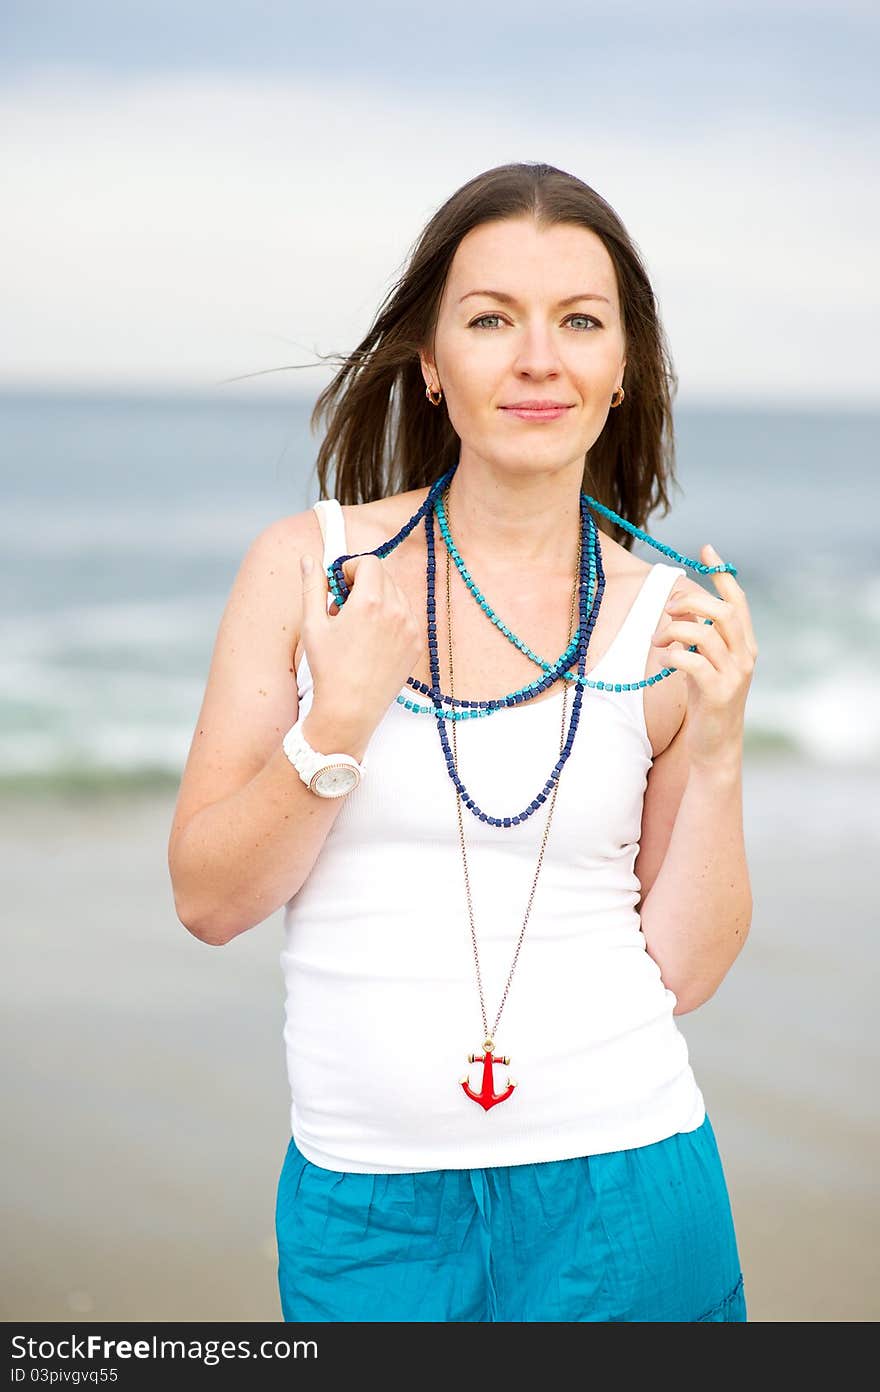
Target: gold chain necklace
[487, 1097]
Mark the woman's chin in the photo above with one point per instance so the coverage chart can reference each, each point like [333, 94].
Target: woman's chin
[533, 460]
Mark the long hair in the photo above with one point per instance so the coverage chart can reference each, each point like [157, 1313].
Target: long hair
[383, 437]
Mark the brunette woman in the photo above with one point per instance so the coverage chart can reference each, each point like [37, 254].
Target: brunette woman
[489, 763]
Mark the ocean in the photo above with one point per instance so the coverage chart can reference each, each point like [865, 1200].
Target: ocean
[124, 522]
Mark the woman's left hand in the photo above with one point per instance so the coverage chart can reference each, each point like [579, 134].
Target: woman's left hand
[719, 673]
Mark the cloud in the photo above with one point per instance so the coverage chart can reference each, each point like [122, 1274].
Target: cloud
[175, 231]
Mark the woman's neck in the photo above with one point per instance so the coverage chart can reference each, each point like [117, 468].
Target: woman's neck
[499, 518]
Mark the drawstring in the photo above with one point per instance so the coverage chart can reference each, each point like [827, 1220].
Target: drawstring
[480, 1186]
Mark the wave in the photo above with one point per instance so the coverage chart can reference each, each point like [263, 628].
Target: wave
[103, 695]
[119, 758]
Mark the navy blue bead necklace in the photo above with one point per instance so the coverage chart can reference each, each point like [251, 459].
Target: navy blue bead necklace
[559, 668]
[339, 586]
[461, 709]
[588, 596]
[591, 580]
[486, 1096]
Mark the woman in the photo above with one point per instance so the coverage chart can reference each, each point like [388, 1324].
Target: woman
[491, 766]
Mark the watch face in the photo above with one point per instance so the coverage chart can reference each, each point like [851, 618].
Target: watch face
[335, 781]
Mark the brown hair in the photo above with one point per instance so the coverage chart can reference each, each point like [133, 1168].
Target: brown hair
[383, 437]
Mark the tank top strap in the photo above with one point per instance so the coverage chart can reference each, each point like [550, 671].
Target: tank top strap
[332, 523]
[331, 520]
[628, 654]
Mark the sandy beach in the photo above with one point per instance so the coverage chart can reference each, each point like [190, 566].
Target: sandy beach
[146, 1099]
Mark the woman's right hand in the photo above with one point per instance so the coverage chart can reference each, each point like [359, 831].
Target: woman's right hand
[361, 655]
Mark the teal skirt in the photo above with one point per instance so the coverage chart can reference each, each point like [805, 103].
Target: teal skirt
[633, 1235]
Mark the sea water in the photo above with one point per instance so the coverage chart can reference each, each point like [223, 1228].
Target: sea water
[124, 521]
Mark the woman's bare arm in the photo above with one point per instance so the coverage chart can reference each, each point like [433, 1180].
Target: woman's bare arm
[246, 829]
[696, 904]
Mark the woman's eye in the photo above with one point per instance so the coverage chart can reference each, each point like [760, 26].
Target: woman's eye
[586, 319]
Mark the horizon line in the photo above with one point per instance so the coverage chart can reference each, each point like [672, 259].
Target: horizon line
[146, 393]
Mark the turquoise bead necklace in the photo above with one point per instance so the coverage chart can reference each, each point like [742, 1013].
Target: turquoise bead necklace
[524, 648]
[461, 709]
[591, 581]
[465, 710]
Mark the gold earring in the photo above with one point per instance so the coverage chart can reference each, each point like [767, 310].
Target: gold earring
[619, 398]
[430, 395]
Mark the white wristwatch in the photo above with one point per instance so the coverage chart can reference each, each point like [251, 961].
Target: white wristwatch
[328, 775]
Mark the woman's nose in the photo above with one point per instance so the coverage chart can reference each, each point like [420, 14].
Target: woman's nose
[537, 352]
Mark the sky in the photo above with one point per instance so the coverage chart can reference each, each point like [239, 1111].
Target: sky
[197, 192]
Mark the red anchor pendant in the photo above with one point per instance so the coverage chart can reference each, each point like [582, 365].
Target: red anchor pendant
[486, 1097]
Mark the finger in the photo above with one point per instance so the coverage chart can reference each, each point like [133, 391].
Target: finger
[724, 616]
[729, 589]
[366, 577]
[696, 602]
[315, 590]
[695, 664]
[395, 594]
[708, 640]
[722, 579]
[350, 565]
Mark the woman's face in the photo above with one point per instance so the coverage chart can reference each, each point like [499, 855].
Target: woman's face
[528, 315]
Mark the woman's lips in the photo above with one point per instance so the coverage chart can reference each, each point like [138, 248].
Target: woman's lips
[536, 413]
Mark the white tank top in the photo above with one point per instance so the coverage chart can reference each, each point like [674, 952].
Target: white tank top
[382, 1005]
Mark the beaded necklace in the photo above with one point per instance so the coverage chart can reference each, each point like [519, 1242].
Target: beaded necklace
[335, 576]
[487, 1097]
[560, 667]
[590, 570]
[588, 594]
[462, 710]
[466, 710]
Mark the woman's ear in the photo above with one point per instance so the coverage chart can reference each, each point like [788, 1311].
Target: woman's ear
[429, 371]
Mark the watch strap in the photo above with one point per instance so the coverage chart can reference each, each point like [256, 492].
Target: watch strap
[308, 761]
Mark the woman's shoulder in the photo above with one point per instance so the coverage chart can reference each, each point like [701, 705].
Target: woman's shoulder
[270, 560]
[367, 525]
[628, 572]
[622, 564]
[289, 535]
